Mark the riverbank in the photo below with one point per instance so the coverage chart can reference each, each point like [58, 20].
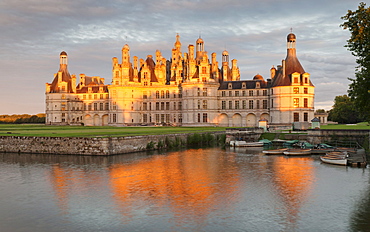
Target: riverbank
[102, 145]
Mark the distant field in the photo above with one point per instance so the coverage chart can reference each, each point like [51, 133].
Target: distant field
[102, 131]
[358, 126]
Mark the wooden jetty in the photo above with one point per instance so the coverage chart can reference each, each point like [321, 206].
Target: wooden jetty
[357, 158]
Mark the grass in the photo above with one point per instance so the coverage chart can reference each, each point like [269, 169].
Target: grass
[358, 126]
[102, 131]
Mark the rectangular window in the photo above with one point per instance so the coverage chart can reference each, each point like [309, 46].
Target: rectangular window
[243, 93]
[272, 103]
[145, 106]
[180, 105]
[204, 104]
[162, 105]
[167, 118]
[296, 90]
[157, 106]
[157, 118]
[107, 106]
[223, 93]
[305, 117]
[89, 106]
[167, 106]
[230, 104]
[230, 93]
[162, 118]
[198, 104]
[145, 95]
[145, 118]
[264, 92]
[205, 118]
[258, 104]
[236, 93]
[250, 92]
[295, 102]
[198, 117]
[101, 106]
[237, 105]
[264, 104]
[251, 104]
[223, 105]
[114, 117]
[180, 117]
[296, 80]
[305, 102]
[296, 117]
[114, 105]
[205, 92]
[305, 90]
[244, 104]
[174, 105]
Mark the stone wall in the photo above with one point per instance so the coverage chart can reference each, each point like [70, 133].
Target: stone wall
[82, 146]
[361, 137]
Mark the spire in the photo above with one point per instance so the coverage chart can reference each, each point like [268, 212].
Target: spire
[292, 63]
[178, 43]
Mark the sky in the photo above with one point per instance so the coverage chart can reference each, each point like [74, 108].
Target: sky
[34, 32]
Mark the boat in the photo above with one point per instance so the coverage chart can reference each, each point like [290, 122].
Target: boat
[275, 151]
[290, 143]
[234, 143]
[338, 158]
[266, 142]
[297, 152]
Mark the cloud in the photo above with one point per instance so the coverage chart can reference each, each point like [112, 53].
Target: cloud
[34, 32]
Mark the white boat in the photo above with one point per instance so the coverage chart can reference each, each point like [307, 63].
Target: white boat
[297, 152]
[338, 158]
[334, 160]
[275, 151]
[234, 143]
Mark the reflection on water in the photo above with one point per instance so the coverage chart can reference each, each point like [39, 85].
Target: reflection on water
[192, 190]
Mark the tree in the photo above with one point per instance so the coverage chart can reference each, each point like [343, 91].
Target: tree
[320, 111]
[358, 23]
[344, 111]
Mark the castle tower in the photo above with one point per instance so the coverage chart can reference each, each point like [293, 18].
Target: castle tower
[199, 49]
[292, 93]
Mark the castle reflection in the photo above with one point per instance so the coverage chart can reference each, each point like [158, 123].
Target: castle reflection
[188, 185]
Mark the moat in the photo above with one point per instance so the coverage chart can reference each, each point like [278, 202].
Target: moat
[192, 190]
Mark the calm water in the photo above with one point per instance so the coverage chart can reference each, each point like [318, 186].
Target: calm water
[193, 190]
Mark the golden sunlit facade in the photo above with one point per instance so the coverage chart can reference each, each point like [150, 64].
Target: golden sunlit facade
[190, 89]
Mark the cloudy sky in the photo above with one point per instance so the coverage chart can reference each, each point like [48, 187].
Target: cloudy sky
[34, 32]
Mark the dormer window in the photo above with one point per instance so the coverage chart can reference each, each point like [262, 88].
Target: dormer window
[258, 85]
[243, 85]
[230, 86]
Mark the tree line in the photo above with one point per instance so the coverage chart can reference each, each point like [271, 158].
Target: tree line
[22, 118]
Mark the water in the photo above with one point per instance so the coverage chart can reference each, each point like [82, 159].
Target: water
[193, 190]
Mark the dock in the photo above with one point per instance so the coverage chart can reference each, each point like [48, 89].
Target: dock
[357, 159]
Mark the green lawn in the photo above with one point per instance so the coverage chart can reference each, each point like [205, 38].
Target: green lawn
[358, 126]
[85, 131]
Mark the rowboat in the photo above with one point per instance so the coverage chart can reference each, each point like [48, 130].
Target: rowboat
[297, 152]
[336, 157]
[245, 144]
[275, 151]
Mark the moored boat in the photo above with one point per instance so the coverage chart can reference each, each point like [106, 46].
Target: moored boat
[338, 158]
[275, 151]
[297, 152]
[245, 144]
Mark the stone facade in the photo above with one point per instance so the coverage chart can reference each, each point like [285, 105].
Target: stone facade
[189, 89]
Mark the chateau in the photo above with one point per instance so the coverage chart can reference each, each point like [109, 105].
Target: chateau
[190, 89]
